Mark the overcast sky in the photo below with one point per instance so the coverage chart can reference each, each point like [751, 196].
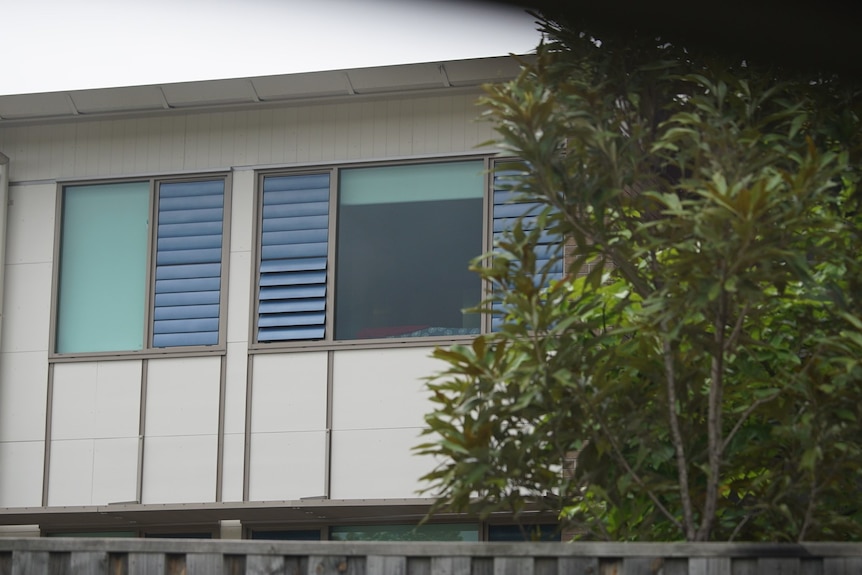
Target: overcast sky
[50, 45]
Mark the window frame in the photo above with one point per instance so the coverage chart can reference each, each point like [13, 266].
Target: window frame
[333, 170]
[147, 350]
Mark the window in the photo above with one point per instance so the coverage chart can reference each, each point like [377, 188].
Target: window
[392, 242]
[125, 285]
[426, 532]
[381, 251]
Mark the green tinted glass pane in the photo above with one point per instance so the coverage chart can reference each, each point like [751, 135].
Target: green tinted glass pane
[412, 183]
[433, 532]
[103, 265]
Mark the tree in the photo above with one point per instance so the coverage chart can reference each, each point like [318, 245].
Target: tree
[701, 357]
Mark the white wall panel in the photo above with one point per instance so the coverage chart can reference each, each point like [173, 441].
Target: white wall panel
[377, 463]
[239, 292]
[183, 396]
[23, 395]
[287, 466]
[30, 224]
[381, 388]
[233, 460]
[289, 392]
[242, 211]
[96, 400]
[180, 469]
[70, 480]
[235, 387]
[115, 470]
[21, 473]
[27, 306]
[93, 471]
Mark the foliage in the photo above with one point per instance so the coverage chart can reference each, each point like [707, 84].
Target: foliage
[702, 355]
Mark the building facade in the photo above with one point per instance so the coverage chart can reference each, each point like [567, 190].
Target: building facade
[220, 299]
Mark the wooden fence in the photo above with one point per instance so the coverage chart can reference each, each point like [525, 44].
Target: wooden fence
[68, 556]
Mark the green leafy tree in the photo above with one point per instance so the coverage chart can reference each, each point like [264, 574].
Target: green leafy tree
[701, 358]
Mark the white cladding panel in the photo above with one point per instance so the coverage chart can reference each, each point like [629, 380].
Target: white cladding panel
[27, 304]
[96, 400]
[376, 463]
[331, 132]
[23, 395]
[93, 471]
[289, 392]
[381, 388]
[287, 466]
[233, 460]
[180, 469]
[183, 396]
[30, 224]
[21, 473]
[181, 443]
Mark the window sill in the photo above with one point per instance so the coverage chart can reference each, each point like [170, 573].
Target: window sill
[383, 343]
[202, 351]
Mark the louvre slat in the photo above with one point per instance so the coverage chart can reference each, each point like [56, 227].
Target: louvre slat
[297, 264]
[188, 271]
[186, 312]
[187, 285]
[182, 298]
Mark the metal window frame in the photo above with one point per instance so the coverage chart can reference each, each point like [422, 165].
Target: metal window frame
[147, 351]
[334, 170]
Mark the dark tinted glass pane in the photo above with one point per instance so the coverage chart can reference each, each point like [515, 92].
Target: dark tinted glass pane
[523, 533]
[433, 532]
[303, 535]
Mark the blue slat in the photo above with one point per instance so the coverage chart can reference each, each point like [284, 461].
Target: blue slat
[192, 216]
[296, 196]
[303, 223]
[190, 202]
[190, 242]
[203, 188]
[185, 325]
[186, 312]
[291, 319]
[185, 339]
[295, 210]
[298, 264]
[289, 333]
[294, 237]
[296, 251]
[190, 229]
[292, 305]
[197, 285]
[297, 182]
[188, 271]
[182, 298]
[168, 258]
[292, 292]
[293, 278]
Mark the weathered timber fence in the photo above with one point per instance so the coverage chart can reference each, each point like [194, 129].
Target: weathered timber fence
[84, 556]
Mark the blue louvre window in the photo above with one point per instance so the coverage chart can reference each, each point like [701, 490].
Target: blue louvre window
[293, 263]
[188, 263]
[506, 211]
